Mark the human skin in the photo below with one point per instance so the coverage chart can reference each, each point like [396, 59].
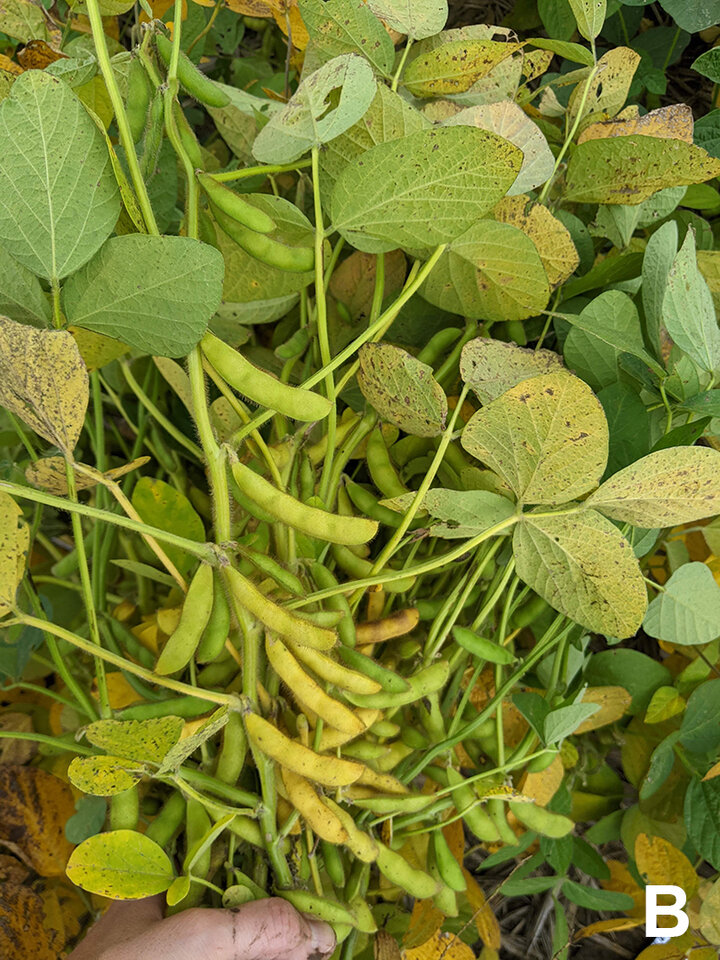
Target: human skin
[268, 929]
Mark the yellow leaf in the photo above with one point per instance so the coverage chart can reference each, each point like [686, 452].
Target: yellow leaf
[609, 926]
[542, 787]
[425, 921]
[160, 8]
[455, 836]
[485, 921]
[34, 808]
[614, 702]
[287, 16]
[658, 861]
[246, 8]
[442, 946]
[14, 544]
[673, 123]
[49, 473]
[551, 238]
[22, 921]
[9, 66]
[454, 66]
[666, 702]
[120, 693]
[96, 349]
[713, 772]
[710, 914]
[609, 89]
[622, 881]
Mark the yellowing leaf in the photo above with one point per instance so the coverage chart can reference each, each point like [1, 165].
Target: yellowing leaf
[122, 865]
[614, 925]
[102, 776]
[713, 772]
[551, 238]
[34, 807]
[666, 702]
[96, 349]
[542, 786]
[442, 946]
[43, 381]
[120, 693]
[453, 67]
[49, 473]
[622, 881]
[614, 702]
[23, 917]
[674, 122]
[658, 861]
[608, 89]
[425, 921]
[287, 16]
[710, 914]
[486, 923]
[14, 545]
[402, 389]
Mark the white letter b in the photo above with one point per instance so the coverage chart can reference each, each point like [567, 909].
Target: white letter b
[653, 910]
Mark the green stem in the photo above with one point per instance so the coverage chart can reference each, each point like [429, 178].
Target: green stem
[401, 66]
[87, 593]
[214, 455]
[57, 312]
[103, 56]
[157, 415]
[229, 175]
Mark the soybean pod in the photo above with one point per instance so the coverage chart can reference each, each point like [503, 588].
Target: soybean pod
[138, 98]
[167, 823]
[264, 248]
[234, 206]
[197, 825]
[183, 642]
[390, 681]
[125, 810]
[212, 642]
[382, 470]
[424, 682]
[153, 136]
[361, 569]
[187, 136]
[234, 748]
[367, 504]
[540, 820]
[325, 580]
[262, 387]
[194, 81]
[186, 706]
[312, 521]
[466, 803]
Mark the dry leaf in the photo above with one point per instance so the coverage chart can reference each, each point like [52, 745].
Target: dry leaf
[485, 921]
[16, 751]
[34, 808]
[22, 925]
[425, 921]
[622, 881]
[14, 545]
[542, 787]
[287, 16]
[36, 55]
[609, 926]
[12, 870]
[9, 66]
[49, 474]
[442, 946]
[385, 946]
[713, 772]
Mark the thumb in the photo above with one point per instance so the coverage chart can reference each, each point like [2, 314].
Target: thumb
[269, 929]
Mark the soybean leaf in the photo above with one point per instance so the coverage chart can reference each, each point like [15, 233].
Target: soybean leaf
[139, 740]
[492, 271]
[490, 367]
[695, 16]
[43, 380]
[465, 513]
[662, 761]
[657, 263]
[348, 26]
[510, 121]
[178, 754]
[163, 506]
[402, 389]
[687, 309]
[417, 18]
[628, 423]
[58, 197]
[552, 239]
[546, 437]
[702, 818]
[240, 121]
[49, 474]
[454, 67]
[153, 293]
[590, 16]
[671, 486]
[423, 189]
[708, 64]
[574, 52]
[122, 865]
[608, 89]
[88, 819]
[706, 404]
[563, 721]
[639, 674]
[593, 899]
[317, 112]
[23, 20]
[21, 296]
[584, 568]
[630, 169]
[688, 610]
[14, 544]
[102, 776]
[700, 731]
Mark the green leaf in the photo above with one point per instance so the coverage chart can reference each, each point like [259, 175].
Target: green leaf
[695, 16]
[23, 20]
[662, 761]
[348, 26]
[628, 423]
[492, 271]
[21, 296]
[163, 506]
[58, 197]
[14, 545]
[325, 105]
[593, 899]
[454, 67]
[601, 275]
[708, 64]
[402, 389]
[557, 18]
[563, 721]
[628, 170]
[145, 741]
[122, 865]
[153, 293]
[658, 261]
[102, 776]
[665, 488]
[510, 121]
[88, 819]
[490, 367]
[546, 437]
[422, 190]
[417, 18]
[688, 610]
[574, 52]
[43, 380]
[687, 309]
[639, 674]
[702, 818]
[700, 730]
[584, 568]
[589, 16]
[706, 404]
[465, 513]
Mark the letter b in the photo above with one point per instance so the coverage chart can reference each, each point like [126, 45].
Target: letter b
[653, 910]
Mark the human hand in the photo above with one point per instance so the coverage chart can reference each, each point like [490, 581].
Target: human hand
[261, 930]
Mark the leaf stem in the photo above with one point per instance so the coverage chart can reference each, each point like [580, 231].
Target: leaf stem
[228, 175]
[401, 66]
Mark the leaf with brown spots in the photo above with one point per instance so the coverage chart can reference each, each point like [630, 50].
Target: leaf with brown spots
[23, 929]
[34, 808]
[402, 389]
[14, 544]
[454, 67]
[551, 238]
[491, 367]
[609, 87]
[139, 740]
[122, 864]
[43, 380]
[36, 55]
[674, 122]
[353, 281]
[48, 473]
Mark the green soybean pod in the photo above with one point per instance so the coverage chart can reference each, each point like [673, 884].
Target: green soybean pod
[383, 473]
[390, 681]
[325, 580]
[331, 911]
[438, 345]
[266, 564]
[398, 871]
[199, 86]
[481, 647]
[333, 864]
[309, 520]
[197, 607]
[231, 758]
[422, 684]
[153, 136]
[217, 675]
[525, 615]
[496, 812]
[125, 810]
[262, 387]
[197, 825]
[360, 569]
[265, 248]
[212, 642]
[138, 98]
[476, 819]
[296, 345]
[367, 504]
[187, 136]
[235, 206]
[540, 820]
[167, 823]
[450, 870]
[186, 706]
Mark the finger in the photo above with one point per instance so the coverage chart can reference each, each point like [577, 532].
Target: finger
[268, 929]
[122, 921]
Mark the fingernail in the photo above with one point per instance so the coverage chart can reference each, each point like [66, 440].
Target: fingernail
[323, 936]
